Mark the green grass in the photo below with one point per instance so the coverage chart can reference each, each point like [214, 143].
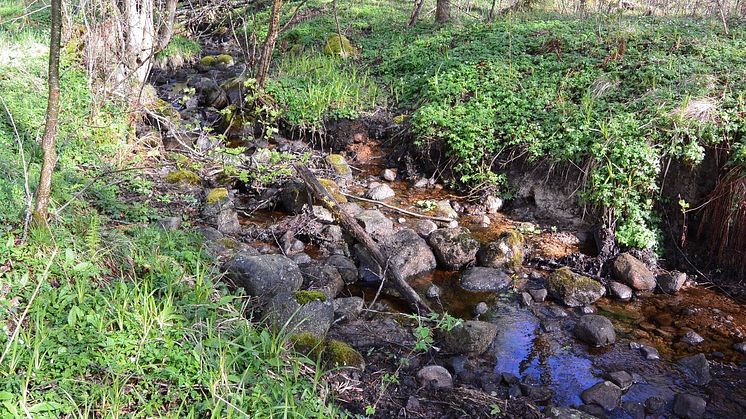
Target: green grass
[179, 51]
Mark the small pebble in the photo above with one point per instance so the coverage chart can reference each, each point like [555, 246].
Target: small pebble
[650, 353]
[692, 338]
[481, 308]
[433, 291]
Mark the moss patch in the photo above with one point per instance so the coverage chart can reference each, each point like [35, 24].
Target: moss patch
[184, 177]
[334, 47]
[333, 189]
[208, 60]
[307, 344]
[340, 354]
[305, 297]
[339, 164]
[224, 59]
[216, 195]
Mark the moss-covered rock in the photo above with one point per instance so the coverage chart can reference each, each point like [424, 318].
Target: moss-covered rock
[216, 195]
[574, 290]
[208, 61]
[505, 252]
[339, 164]
[339, 354]
[305, 297]
[307, 344]
[184, 177]
[339, 45]
[224, 59]
[333, 189]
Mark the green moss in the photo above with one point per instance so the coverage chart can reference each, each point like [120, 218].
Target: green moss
[305, 297]
[183, 176]
[164, 109]
[224, 59]
[339, 164]
[333, 189]
[340, 354]
[516, 242]
[208, 60]
[564, 280]
[306, 344]
[399, 119]
[229, 243]
[335, 47]
[216, 195]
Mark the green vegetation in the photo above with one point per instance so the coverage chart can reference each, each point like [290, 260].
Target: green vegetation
[181, 50]
[305, 297]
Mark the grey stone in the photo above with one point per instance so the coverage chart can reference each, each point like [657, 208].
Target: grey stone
[324, 278]
[485, 279]
[351, 208]
[409, 253]
[374, 222]
[301, 258]
[348, 309]
[263, 275]
[345, 266]
[505, 252]
[421, 183]
[537, 394]
[380, 193]
[471, 337]
[671, 283]
[425, 227]
[691, 337]
[322, 214]
[389, 175]
[444, 209]
[493, 204]
[574, 290]
[620, 291]
[654, 404]
[480, 308]
[526, 299]
[634, 410]
[650, 353]
[630, 271]
[294, 197]
[740, 347]
[697, 369]
[453, 247]
[587, 310]
[621, 379]
[539, 295]
[286, 313]
[434, 376]
[605, 394]
[169, 223]
[689, 406]
[210, 233]
[555, 412]
[595, 330]
[433, 291]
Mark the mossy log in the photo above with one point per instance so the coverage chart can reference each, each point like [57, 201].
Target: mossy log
[357, 232]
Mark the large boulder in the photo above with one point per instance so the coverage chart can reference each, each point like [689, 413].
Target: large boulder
[506, 252]
[374, 222]
[595, 330]
[629, 270]
[345, 266]
[485, 279]
[301, 312]
[405, 250]
[605, 394]
[471, 337]
[338, 163]
[671, 283]
[294, 197]
[454, 247]
[697, 369]
[324, 278]
[263, 275]
[574, 290]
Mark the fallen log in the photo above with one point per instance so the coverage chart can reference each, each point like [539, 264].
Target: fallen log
[349, 224]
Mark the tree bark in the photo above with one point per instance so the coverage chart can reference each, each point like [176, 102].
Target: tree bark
[269, 45]
[353, 228]
[415, 12]
[166, 28]
[41, 210]
[443, 11]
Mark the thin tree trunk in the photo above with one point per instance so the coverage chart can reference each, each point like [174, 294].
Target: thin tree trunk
[166, 29]
[443, 11]
[269, 45]
[491, 16]
[415, 12]
[357, 232]
[342, 51]
[41, 210]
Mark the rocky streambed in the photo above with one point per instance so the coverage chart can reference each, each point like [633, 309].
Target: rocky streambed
[553, 323]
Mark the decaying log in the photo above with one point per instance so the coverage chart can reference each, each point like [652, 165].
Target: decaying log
[348, 223]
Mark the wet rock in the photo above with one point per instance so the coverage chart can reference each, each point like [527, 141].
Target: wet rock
[471, 337]
[421, 183]
[351, 208]
[324, 278]
[322, 214]
[671, 283]
[263, 275]
[389, 175]
[493, 204]
[339, 164]
[368, 269]
[506, 252]
[620, 291]
[348, 309]
[301, 312]
[605, 394]
[595, 330]
[293, 197]
[650, 353]
[380, 192]
[567, 413]
[374, 222]
[630, 271]
[301, 258]
[692, 338]
[526, 299]
[740, 347]
[457, 364]
[514, 391]
[485, 279]
[409, 253]
[509, 378]
[444, 209]
[654, 404]
[425, 227]
[480, 308]
[434, 376]
[169, 223]
[537, 394]
[453, 247]
[433, 291]
[574, 290]
[556, 312]
[538, 294]
[634, 410]
[689, 406]
[595, 410]
[345, 266]
[697, 369]
[413, 404]
[621, 379]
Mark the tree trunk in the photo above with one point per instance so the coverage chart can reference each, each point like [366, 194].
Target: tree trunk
[443, 11]
[415, 12]
[269, 45]
[41, 210]
[166, 29]
[491, 16]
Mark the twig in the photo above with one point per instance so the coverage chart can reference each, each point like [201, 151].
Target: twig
[403, 211]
